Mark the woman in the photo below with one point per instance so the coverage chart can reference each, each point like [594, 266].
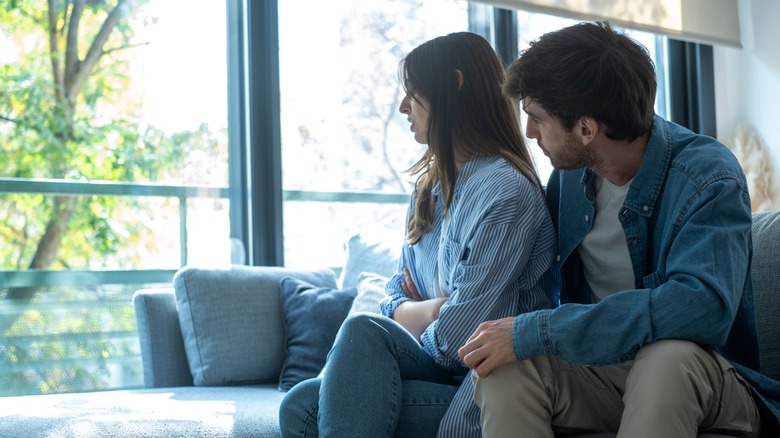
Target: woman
[479, 242]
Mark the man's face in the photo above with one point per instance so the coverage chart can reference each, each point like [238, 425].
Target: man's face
[565, 150]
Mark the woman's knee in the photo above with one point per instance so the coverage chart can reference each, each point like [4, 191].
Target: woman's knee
[369, 330]
[298, 410]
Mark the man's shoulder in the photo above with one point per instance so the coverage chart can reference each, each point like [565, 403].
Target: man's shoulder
[701, 158]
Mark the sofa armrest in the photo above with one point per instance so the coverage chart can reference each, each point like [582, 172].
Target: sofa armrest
[162, 347]
[766, 277]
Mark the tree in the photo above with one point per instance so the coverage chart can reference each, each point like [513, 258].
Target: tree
[67, 112]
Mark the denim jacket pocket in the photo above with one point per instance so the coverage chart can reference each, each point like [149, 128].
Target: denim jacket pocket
[652, 281]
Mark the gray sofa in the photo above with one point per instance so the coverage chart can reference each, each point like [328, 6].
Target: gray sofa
[172, 406]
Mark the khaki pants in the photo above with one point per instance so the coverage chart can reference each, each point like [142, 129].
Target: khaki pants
[672, 389]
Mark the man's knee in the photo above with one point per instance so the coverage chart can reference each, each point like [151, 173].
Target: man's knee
[671, 354]
[513, 377]
[670, 374]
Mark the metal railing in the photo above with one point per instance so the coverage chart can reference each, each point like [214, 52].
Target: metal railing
[28, 355]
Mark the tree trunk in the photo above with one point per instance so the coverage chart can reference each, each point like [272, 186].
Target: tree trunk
[55, 230]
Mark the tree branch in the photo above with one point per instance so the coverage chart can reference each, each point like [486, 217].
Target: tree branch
[96, 48]
[54, 51]
[117, 49]
[72, 46]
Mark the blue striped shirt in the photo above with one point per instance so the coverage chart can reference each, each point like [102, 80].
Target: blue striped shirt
[494, 251]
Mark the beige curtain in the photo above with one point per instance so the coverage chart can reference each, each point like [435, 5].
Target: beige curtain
[714, 22]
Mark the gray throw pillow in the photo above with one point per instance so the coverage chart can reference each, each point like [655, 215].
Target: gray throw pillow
[312, 318]
[232, 322]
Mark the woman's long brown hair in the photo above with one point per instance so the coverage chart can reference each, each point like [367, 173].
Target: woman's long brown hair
[467, 112]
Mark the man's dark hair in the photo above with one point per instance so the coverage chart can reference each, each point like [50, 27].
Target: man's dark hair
[588, 70]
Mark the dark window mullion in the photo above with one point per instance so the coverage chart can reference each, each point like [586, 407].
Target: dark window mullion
[264, 134]
[506, 35]
[691, 86]
[238, 182]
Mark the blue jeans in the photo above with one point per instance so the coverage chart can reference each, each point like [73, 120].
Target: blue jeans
[378, 382]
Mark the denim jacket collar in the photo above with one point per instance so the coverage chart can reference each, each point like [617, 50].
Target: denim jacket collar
[647, 184]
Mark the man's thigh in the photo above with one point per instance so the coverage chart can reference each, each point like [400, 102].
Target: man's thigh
[584, 398]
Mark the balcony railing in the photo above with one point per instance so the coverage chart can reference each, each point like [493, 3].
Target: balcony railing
[79, 332]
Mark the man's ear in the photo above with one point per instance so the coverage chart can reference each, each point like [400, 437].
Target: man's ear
[459, 75]
[587, 128]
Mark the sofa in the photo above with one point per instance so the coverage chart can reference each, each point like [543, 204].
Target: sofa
[216, 348]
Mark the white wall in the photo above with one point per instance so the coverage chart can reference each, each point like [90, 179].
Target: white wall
[747, 80]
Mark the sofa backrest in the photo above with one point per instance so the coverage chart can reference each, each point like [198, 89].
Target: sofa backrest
[766, 279]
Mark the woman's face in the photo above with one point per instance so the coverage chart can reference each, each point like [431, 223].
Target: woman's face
[416, 109]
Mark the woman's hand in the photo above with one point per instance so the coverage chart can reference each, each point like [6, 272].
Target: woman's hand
[408, 286]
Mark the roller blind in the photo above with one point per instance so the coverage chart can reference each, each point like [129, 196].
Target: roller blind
[703, 21]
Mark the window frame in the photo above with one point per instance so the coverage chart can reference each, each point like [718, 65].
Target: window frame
[256, 193]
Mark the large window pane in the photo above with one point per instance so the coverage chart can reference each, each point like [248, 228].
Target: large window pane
[113, 174]
[341, 129]
[151, 109]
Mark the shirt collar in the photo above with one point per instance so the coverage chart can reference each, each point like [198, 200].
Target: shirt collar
[646, 186]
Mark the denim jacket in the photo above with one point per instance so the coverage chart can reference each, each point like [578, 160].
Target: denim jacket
[687, 221]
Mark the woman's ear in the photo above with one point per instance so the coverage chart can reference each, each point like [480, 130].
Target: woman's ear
[459, 75]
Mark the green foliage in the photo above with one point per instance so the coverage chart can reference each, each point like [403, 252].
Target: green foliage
[97, 135]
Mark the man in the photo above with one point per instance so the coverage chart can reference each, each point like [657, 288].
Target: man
[655, 336]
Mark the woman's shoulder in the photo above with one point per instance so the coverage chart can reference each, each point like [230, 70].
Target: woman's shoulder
[496, 172]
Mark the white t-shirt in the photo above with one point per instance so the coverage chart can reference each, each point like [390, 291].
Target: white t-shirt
[604, 251]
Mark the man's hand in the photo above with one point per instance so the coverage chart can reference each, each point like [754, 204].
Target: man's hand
[489, 347]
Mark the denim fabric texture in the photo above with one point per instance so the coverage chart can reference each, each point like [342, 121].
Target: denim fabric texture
[687, 221]
[414, 395]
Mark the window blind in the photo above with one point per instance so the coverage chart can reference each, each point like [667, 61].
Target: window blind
[714, 22]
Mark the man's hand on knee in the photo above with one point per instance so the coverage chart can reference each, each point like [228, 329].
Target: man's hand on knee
[489, 347]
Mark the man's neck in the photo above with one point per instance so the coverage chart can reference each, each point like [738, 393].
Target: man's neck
[621, 160]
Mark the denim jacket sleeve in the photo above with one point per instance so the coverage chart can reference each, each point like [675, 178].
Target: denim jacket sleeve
[698, 254]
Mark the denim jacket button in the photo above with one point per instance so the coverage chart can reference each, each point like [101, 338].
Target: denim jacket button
[587, 218]
[558, 258]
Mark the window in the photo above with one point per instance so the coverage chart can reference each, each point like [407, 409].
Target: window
[109, 182]
[341, 129]
[143, 174]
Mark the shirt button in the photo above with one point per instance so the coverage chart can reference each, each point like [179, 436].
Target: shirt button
[587, 218]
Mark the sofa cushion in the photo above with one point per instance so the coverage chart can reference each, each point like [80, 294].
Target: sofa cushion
[231, 321]
[176, 412]
[374, 249]
[312, 317]
[370, 291]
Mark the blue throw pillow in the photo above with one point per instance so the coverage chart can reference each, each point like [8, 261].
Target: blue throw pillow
[312, 318]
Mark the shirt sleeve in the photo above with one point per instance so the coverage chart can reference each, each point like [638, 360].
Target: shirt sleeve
[488, 279]
[694, 295]
[395, 295]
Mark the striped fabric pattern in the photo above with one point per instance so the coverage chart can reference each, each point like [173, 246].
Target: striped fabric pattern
[495, 250]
